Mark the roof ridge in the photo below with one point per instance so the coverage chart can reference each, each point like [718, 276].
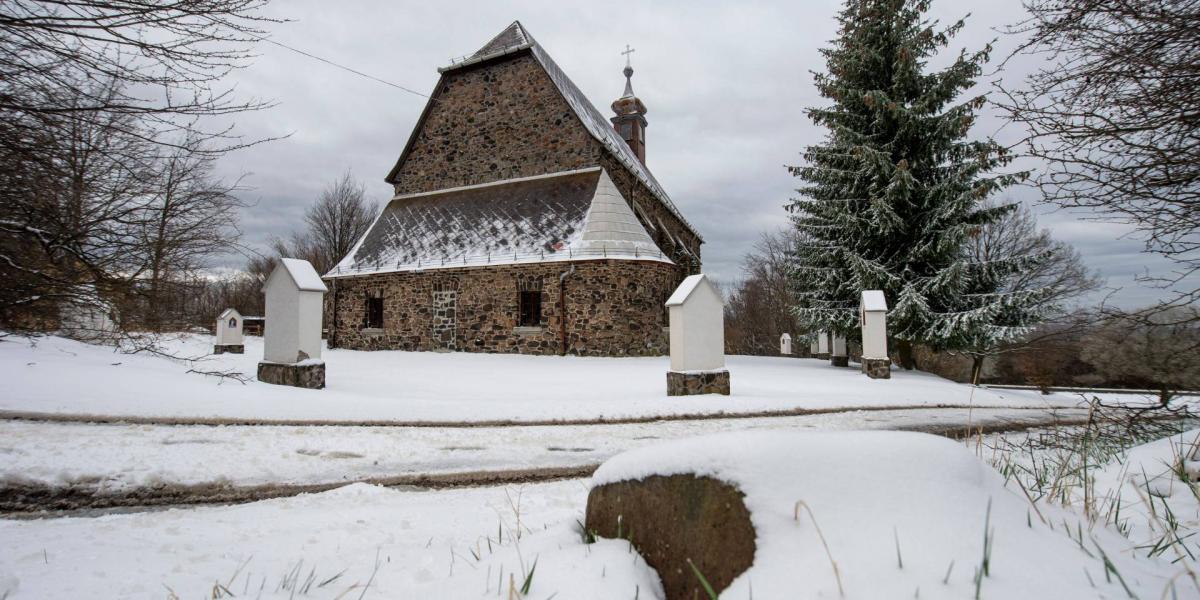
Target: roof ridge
[515, 27]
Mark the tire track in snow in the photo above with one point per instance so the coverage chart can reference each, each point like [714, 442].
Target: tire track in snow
[32, 499]
[11, 415]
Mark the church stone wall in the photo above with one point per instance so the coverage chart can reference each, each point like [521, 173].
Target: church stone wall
[613, 308]
[505, 119]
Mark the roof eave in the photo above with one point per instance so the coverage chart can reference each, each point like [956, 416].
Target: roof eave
[474, 60]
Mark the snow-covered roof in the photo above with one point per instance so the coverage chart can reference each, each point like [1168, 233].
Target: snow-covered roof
[515, 38]
[303, 275]
[571, 215]
[229, 312]
[685, 289]
[873, 300]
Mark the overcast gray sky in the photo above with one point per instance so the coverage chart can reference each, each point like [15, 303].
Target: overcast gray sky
[725, 84]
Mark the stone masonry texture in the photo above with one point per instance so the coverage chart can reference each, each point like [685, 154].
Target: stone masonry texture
[877, 368]
[695, 384]
[498, 120]
[613, 308]
[302, 376]
[504, 119]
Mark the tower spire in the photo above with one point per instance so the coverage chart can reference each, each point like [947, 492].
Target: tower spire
[628, 72]
[630, 121]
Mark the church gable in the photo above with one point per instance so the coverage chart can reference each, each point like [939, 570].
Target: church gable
[495, 121]
[509, 111]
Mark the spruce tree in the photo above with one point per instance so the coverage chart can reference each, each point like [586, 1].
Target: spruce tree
[896, 189]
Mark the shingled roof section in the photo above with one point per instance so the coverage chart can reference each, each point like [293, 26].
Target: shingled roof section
[516, 38]
[573, 215]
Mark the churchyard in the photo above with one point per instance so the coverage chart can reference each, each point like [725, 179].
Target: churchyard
[519, 367]
[175, 472]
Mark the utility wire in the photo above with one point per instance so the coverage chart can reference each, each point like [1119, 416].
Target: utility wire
[324, 60]
[343, 67]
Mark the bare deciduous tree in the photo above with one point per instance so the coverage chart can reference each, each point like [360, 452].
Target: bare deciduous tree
[1017, 234]
[1058, 276]
[337, 220]
[1115, 115]
[340, 216]
[69, 216]
[164, 59]
[758, 310]
[190, 216]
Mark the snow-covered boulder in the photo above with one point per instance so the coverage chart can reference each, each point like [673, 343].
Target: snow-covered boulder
[856, 515]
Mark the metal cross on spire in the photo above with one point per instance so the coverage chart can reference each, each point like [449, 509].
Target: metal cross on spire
[628, 72]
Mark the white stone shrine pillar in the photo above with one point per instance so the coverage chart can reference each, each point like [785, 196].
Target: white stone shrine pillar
[229, 333]
[814, 346]
[785, 344]
[873, 317]
[292, 335]
[822, 345]
[838, 356]
[697, 319]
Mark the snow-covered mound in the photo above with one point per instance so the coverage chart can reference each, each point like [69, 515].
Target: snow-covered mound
[1147, 495]
[57, 375]
[902, 514]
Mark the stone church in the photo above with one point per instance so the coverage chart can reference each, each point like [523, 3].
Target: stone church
[523, 221]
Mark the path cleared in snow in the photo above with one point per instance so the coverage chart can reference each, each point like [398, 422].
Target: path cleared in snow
[55, 376]
[56, 466]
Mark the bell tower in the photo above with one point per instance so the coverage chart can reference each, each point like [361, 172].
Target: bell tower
[630, 119]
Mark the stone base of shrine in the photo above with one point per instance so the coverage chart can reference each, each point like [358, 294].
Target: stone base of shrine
[694, 383]
[229, 349]
[307, 374]
[839, 361]
[877, 368]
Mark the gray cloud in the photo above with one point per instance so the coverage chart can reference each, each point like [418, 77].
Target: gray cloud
[726, 85]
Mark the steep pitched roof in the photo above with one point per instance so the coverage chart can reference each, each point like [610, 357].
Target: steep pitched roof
[572, 215]
[515, 38]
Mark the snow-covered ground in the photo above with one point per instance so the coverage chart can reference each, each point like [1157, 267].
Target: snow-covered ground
[112, 458]
[865, 492]
[425, 543]
[59, 376]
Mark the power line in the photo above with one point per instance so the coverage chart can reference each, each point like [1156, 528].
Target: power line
[324, 60]
[343, 67]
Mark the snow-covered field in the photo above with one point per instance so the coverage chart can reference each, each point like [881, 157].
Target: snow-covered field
[865, 493]
[59, 376]
[377, 542]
